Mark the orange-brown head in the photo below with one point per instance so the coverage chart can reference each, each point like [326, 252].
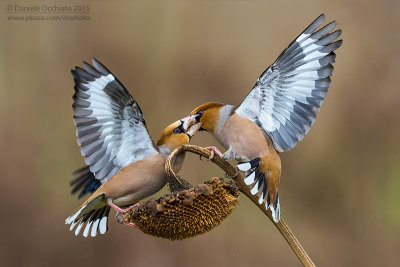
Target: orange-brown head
[208, 114]
[175, 135]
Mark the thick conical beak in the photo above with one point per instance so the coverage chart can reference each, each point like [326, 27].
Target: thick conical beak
[191, 125]
[188, 121]
[194, 128]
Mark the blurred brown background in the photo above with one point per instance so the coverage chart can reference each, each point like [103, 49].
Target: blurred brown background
[340, 189]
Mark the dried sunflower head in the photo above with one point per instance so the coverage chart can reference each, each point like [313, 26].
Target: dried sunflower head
[187, 213]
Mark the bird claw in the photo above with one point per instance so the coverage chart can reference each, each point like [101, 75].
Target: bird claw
[131, 207]
[122, 216]
[213, 150]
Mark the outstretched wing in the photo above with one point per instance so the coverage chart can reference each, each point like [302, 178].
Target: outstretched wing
[285, 98]
[109, 124]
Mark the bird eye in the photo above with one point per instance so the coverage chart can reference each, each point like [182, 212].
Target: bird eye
[176, 130]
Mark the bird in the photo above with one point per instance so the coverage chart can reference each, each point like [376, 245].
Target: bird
[277, 113]
[124, 166]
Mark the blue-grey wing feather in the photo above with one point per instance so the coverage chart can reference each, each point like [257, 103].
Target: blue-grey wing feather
[284, 100]
[110, 126]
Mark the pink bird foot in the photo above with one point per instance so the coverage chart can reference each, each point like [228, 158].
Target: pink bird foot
[213, 150]
[123, 211]
[120, 210]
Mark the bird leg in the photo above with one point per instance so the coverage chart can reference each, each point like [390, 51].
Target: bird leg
[228, 154]
[213, 150]
[120, 210]
[123, 211]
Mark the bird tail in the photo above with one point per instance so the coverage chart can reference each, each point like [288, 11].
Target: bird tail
[84, 181]
[255, 180]
[94, 212]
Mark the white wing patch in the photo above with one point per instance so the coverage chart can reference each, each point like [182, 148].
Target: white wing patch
[109, 123]
[285, 98]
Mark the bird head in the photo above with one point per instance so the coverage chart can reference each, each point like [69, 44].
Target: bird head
[207, 115]
[177, 134]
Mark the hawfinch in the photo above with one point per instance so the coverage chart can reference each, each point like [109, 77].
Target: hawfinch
[277, 112]
[124, 165]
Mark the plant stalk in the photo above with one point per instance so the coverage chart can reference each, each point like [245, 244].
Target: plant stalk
[231, 171]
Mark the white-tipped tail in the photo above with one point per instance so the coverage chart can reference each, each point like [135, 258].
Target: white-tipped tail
[275, 212]
[87, 228]
[103, 225]
[78, 229]
[93, 233]
[257, 183]
[95, 220]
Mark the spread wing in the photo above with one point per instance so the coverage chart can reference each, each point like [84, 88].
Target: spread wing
[109, 124]
[285, 98]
